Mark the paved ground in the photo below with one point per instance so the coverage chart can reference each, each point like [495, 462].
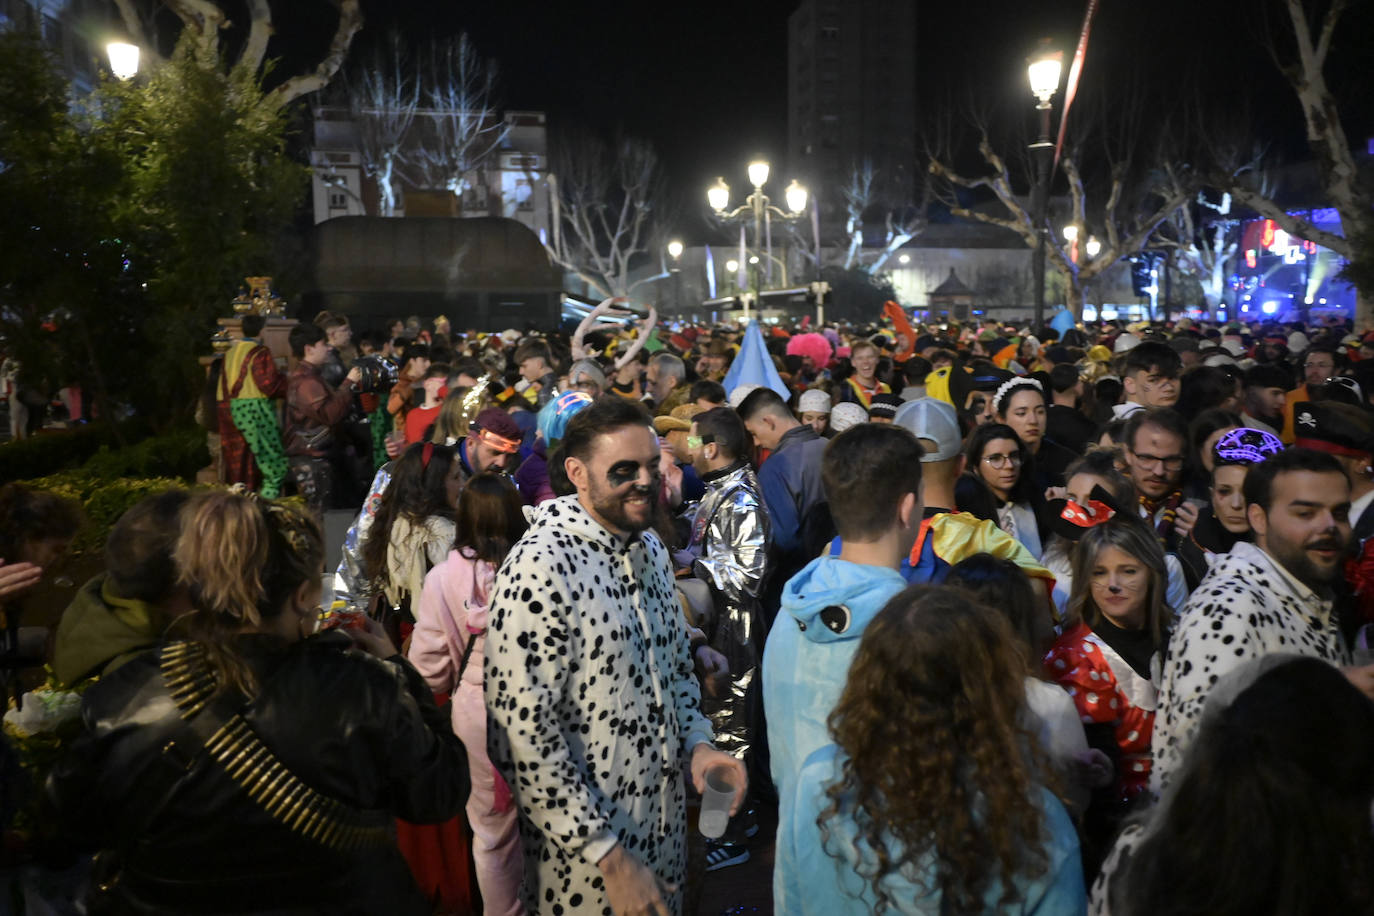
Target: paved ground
[741, 890]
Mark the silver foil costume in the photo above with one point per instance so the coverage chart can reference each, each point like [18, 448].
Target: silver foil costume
[730, 533]
[351, 583]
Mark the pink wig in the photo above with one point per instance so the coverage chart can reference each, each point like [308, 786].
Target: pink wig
[812, 345]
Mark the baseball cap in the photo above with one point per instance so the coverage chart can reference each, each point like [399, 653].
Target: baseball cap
[553, 419]
[935, 421]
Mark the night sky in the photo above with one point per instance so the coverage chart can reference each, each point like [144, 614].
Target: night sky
[706, 82]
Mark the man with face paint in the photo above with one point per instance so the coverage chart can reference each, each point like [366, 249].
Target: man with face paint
[1272, 596]
[592, 701]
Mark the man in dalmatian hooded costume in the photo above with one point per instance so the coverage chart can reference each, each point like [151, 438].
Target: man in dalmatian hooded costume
[1270, 597]
[592, 705]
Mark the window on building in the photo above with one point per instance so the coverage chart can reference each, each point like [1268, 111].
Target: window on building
[830, 32]
[338, 200]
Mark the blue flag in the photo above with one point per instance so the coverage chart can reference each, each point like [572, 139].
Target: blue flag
[754, 365]
[1062, 321]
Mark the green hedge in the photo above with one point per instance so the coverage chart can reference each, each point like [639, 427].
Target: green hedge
[49, 452]
[111, 479]
[103, 501]
[179, 453]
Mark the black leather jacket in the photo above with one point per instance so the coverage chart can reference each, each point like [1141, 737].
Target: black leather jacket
[201, 803]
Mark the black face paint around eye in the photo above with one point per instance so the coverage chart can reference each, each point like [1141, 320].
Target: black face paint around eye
[622, 473]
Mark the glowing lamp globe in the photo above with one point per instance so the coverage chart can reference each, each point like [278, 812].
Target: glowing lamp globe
[123, 59]
[675, 249]
[718, 195]
[758, 173]
[1044, 72]
[796, 196]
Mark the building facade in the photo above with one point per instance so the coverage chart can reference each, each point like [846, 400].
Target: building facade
[510, 180]
[851, 97]
[75, 30]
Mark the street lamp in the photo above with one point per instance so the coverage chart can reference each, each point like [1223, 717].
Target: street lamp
[1043, 72]
[758, 205]
[123, 59]
[675, 249]
[1093, 246]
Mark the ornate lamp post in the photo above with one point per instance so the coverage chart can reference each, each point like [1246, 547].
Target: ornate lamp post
[675, 249]
[1044, 71]
[762, 210]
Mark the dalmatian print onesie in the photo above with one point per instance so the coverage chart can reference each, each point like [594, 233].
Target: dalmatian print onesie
[592, 705]
[1246, 607]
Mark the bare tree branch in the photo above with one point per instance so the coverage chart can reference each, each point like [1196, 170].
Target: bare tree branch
[350, 21]
[464, 127]
[138, 30]
[203, 19]
[259, 32]
[608, 206]
[383, 96]
[1291, 223]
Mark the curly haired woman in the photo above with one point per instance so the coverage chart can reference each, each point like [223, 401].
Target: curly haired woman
[929, 799]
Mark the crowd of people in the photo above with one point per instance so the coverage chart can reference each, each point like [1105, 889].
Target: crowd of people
[965, 619]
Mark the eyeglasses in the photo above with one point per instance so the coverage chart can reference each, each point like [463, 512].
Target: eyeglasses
[1001, 461]
[1147, 462]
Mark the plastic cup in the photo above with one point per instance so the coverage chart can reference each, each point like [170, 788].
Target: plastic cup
[716, 800]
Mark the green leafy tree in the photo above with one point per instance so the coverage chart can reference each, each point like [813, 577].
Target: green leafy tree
[61, 267]
[211, 194]
[131, 217]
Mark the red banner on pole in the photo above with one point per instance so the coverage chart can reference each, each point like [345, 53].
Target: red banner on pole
[1071, 87]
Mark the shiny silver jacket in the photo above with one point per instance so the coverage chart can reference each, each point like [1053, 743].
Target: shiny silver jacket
[730, 534]
[352, 584]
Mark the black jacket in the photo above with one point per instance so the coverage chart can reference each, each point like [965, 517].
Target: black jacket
[345, 743]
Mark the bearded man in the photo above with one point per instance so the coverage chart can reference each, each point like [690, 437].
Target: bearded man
[592, 705]
[1270, 597]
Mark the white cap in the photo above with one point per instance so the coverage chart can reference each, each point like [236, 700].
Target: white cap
[813, 400]
[846, 415]
[1125, 343]
[1233, 346]
[1298, 342]
[935, 421]
[741, 392]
